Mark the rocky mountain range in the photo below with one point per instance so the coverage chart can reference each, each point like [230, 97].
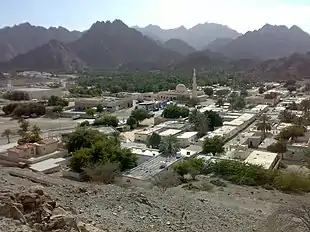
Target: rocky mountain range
[114, 45]
[215, 45]
[53, 56]
[292, 67]
[269, 42]
[24, 37]
[198, 36]
[179, 46]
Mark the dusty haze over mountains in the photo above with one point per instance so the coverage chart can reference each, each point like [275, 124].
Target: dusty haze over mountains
[114, 45]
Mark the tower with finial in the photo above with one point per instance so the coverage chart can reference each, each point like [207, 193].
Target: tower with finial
[194, 91]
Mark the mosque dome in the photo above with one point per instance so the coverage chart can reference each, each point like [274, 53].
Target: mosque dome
[180, 88]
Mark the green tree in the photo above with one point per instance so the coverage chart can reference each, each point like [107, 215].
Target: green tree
[291, 132]
[24, 109]
[278, 147]
[220, 102]
[305, 105]
[200, 122]
[237, 103]
[80, 159]
[99, 108]
[264, 125]
[90, 111]
[154, 140]
[261, 90]
[174, 111]
[106, 120]
[16, 96]
[132, 122]
[244, 93]
[286, 116]
[214, 119]
[291, 88]
[36, 131]
[58, 109]
[100, 151]
[214, 145]
[293, 106]
[57, 101]
[82, 137]
[169, 146]
[192, 166]
[208, 91]
[196, 167]
[140, 115]
[84, 123]
[24, 126]
[7, 133]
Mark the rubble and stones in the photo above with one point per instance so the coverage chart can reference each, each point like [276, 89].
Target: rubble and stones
[25, 207]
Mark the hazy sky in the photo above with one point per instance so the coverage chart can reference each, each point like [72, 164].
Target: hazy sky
[241, 15]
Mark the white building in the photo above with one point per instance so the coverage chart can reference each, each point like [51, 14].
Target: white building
[225, 131]
[242, 122]
[187, 138]
[172, 132]
[148, 105]
[267, 160]
[259, 109]
[144, 154]
[142, 135]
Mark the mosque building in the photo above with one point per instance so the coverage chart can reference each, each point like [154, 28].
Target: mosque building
[181, 92]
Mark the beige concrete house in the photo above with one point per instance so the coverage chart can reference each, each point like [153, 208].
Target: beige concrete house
[24, 151]
[46, 146]
[29, 150]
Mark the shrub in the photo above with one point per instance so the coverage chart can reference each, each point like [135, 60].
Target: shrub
[218, 183]
[57, 101]
[293, 182]
[205, 186]
[253, 175]
[242, 173]
[103, 173]
[106, 120]
[24, 109]
[166, 179]
[84, 123]
[190, 166]
[174, 111]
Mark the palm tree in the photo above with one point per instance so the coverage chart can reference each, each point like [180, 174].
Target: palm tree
[200, 122]
[7, 133]
[263, 125]
[169, 146]
[305, 105]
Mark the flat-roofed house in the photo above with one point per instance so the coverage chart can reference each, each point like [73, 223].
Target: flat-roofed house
[187, 138]
[267, 160]
[46, 146]
[24, 151]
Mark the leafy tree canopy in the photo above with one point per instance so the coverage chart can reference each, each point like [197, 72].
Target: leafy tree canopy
[154, 140]
[140, 114]
[174, 111]
[213, 145]
[57, 101]
[106, 120]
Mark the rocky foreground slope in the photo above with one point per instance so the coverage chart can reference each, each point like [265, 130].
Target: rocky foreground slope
[25, 206]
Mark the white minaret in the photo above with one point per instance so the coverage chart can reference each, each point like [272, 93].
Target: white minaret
[194, 91]
[9, 85]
